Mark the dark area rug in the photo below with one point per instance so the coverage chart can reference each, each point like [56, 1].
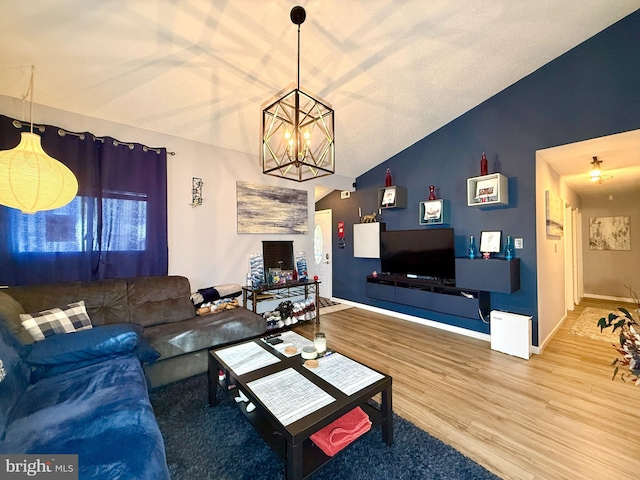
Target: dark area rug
[205, 442]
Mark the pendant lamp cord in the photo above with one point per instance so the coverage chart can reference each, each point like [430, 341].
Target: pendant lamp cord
[30, 95]
[298, 56]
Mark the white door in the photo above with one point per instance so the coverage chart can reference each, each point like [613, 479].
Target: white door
[322, 252]
[568, 260]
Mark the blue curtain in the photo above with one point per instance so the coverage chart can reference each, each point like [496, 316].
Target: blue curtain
[115, 227]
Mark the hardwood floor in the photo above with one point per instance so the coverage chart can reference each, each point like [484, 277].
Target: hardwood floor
[556, 416]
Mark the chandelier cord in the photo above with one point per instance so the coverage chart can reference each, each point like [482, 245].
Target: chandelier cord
[298, 56]
[30, 95]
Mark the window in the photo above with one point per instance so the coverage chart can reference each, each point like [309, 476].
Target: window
[65, 230]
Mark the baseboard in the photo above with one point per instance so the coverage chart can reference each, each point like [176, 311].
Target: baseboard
[543, 344]
[423, 321]
[607, 297]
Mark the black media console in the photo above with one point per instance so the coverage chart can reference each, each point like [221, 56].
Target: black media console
[420, 293]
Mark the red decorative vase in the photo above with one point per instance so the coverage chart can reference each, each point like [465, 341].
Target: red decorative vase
[484, 165]
[432, 192]
[388, 181]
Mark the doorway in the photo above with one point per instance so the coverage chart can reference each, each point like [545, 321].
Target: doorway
[322, 252]
[567, 269]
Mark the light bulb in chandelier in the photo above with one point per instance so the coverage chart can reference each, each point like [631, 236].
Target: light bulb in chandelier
[302, 140]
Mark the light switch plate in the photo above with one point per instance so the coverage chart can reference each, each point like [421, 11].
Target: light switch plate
[517, 243]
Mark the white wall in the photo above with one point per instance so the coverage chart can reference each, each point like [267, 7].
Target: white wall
[606, 272]
[203, 243]
[550, 253]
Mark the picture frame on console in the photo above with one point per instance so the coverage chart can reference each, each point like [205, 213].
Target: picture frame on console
[490, 242]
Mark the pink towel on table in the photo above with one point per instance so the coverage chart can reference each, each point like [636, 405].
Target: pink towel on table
[337, 435]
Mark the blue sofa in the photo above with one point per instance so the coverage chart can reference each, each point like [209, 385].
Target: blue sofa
[83, 393]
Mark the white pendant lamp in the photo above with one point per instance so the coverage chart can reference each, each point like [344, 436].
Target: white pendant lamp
[31, 180]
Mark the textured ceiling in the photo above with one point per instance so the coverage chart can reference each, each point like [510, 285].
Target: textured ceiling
[393, 71]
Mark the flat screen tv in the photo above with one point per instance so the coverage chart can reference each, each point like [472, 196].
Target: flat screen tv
[426, 254]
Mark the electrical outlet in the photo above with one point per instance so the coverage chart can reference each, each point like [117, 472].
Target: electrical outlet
[517, 242]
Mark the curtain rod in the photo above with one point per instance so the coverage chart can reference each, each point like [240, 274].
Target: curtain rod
[81, 136]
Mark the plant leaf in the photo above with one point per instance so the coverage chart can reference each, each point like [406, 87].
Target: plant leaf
[618, 324]
[626, 312]
[615, 372]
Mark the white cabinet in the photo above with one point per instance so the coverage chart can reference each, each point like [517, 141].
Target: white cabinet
[366, 239]
[492, 189]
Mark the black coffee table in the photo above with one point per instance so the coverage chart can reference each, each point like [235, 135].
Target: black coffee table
[291, 442]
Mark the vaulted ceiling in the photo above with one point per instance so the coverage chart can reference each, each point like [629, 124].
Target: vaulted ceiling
[393, 71]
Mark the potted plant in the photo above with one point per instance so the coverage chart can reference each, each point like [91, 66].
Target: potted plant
[629, 348]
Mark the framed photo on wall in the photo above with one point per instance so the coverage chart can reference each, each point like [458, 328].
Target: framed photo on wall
[490, 241]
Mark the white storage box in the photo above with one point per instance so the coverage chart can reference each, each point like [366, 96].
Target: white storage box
[511, 333]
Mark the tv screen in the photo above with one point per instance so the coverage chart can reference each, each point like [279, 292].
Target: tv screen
[423, 253]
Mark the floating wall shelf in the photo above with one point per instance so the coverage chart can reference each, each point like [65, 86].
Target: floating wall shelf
[434, 212]
[492, 189]
[392, 197]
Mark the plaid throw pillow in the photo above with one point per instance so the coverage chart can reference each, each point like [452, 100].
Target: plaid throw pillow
[71, 318]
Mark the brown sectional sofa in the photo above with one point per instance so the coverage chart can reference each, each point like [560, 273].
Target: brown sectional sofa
[163, 308]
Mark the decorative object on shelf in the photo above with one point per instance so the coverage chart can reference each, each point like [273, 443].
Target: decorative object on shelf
[472, 251]
[298, 131]
[509, 249]
[484, 165]
[256, 269]
[432, 192]
[629, 348]
[490, 242]
[196, 192]
[301, 266]
[371, 218]
[389, 197]
[388, 181]
[486, 189]
[30, 179]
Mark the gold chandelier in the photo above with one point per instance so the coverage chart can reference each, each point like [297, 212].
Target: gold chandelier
[298, 131]
[31, 180]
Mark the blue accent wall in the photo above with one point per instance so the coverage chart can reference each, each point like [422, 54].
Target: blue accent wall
[591, 91]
